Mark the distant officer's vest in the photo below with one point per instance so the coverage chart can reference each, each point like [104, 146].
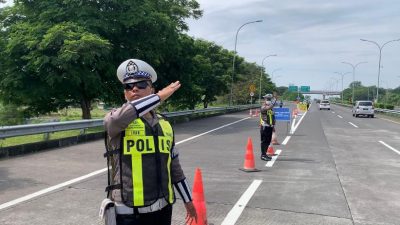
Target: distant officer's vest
[145, 163]
[269, 119]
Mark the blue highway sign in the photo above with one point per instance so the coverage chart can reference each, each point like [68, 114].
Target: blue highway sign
[282, 114]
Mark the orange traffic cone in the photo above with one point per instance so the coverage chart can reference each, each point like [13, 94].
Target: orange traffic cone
[199, 200]
[270, 151]
[249, 165]
[274, 139]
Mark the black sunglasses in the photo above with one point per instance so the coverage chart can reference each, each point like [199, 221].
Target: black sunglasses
[141, 85]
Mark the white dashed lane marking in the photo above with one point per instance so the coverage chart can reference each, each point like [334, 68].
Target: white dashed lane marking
[353, 124]
[271, 163]
[237, 210]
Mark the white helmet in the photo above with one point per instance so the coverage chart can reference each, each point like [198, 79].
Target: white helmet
[133, 70]
[268, 96]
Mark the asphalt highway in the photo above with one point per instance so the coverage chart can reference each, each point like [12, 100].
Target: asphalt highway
[333, 169]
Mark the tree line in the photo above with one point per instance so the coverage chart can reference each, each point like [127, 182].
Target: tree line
[388, 98]
[60, 53]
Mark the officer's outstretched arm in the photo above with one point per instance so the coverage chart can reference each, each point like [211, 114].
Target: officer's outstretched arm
[168, 90]
[148, 103]
[118, 119]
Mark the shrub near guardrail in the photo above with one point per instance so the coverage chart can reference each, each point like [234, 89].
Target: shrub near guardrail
[384, 106]
[387, 106]
[10, 115]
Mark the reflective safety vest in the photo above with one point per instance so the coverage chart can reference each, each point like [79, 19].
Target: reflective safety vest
[145, 163]
[268, 119]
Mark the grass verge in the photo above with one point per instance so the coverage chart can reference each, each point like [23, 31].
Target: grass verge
[14, 141]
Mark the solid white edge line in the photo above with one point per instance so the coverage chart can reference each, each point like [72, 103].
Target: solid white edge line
[389, 120]
[293, 124]
[353, 124]
[238, 208]
[188, 139]
[286, 140]
[298, 123]
[59, 186]
[271, 163]
[50, 189]
[340, 116]
[390, 147]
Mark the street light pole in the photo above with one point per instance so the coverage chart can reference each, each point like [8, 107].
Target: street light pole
[386, 91]
[354, 75]
[272, 73]
[342, 74]
[380, 57]
[234, 55]
[262, 66]
[337, 81]
[275, 78]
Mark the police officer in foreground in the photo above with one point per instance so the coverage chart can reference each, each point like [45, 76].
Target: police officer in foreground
[267, 123]
[142, 152]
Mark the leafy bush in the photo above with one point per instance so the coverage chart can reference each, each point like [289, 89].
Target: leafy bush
[11, 115]
[379, 105]
[388, 106]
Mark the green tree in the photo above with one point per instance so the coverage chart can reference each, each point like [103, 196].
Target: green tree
[249, 74]
[395, 96]
[51, 67]
[211, 66]
[203, 68]
[281, 90]
[291, 96]
[63, 52]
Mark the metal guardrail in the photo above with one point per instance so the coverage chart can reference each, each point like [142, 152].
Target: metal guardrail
[396, 112]
[22, 130]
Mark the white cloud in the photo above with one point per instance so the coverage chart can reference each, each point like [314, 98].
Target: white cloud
[311, 37]
[8, 3]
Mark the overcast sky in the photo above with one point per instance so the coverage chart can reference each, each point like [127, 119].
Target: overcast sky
[310, 37]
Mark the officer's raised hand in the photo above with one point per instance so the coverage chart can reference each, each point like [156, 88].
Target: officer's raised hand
[168, 90]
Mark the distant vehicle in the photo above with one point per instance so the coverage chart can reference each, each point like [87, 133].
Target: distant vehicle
[365, 108]
[325, 104]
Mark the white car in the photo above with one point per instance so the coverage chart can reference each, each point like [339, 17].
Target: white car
[324, 104]
[365, 108]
